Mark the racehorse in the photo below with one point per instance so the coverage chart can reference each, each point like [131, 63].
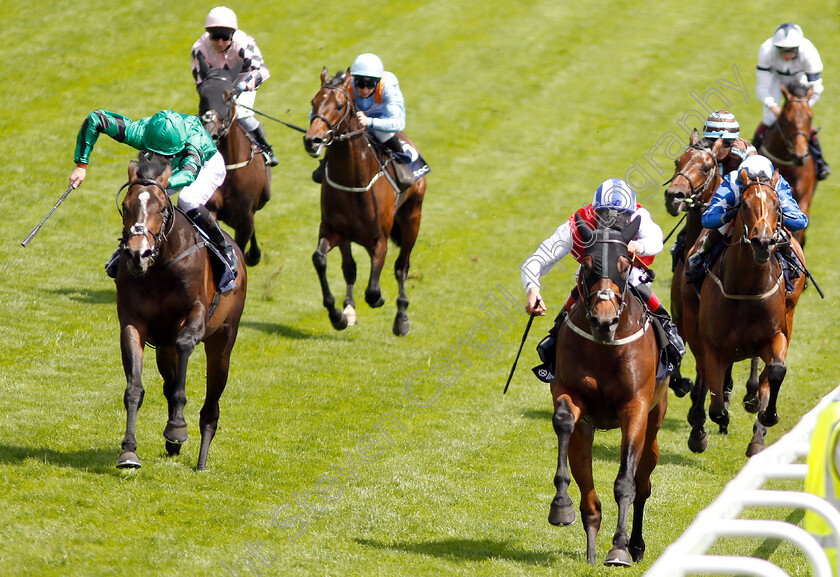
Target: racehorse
[247, 186]
[167, 297]
[786, 144]
[359, 203]
[696, 178]
[606, 378]
[745, 311]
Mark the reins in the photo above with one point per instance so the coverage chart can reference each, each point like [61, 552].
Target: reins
[786, 139]
[697, 192]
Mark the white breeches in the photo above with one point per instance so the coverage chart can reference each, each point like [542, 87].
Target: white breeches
[210, 177]
[247, 98]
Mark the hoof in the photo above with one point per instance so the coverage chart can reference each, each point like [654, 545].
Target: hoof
[173, 448]
[374, 300]
[618, 557]
[754, 449]
[768, 420]
[253, 257]
[338, 320]
[682, 387]
[561, 515]
[350, 313]
[751, 403]
[128, 460]
[698, 442]
[401, 325]
[637, 552]
[176, 435]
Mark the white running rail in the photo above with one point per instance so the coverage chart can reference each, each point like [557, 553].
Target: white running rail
[687, 555]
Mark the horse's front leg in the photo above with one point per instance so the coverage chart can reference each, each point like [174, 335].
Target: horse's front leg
[373, 292]
[580, 462]
[715, 373]
[650, 457]
[562, 512]
[348, 267]
[319, 259]
[751, 400]
[175, 431]
[776, 371]
[131, 345]
[633, 433]
[698, 440]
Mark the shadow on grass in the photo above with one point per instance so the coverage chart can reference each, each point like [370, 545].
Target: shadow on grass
[97, 460]
[284, 330]
[473, 550]
[87, 296]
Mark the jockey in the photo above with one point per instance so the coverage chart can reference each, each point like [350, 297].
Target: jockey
[615, 203]
[790, 58]
[223, 45]
[380, 107]
[198, 169]
[722, 124]
[727, 197]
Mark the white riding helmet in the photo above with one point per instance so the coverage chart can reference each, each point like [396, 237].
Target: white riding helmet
[614, 194]
[367, 65]
[757, 167]
[221, 17]
[788, 36]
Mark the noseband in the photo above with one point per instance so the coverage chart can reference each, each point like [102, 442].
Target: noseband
[140, 228]
[777, 232]
[787, 139]
[603, 294]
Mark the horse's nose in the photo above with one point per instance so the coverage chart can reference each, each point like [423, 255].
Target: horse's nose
[674, 200]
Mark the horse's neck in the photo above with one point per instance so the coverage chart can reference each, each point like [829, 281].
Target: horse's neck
[693, 222]
[352, 159]
[180, 238]
[235, 146]
[739, 271]
[774, 143]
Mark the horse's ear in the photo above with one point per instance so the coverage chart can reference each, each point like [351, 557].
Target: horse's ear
[810, 92]
[132, 171]
[695, 137]
[629, 231]
[785, 91]
[584, 229]
[775, 180]
[325, 75]
[743, 177]
[716, 146]
[347, 78]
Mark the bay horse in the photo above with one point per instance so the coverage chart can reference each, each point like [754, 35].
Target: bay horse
[786, 145]
[746, 312]
[167, 298]
[247, 186]
[359, 204]
[607, 358]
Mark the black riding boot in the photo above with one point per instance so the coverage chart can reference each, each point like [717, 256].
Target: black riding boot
[259, 136]
[202, 217]
[758, 137]
[405, 178]
[676, 348]
[318, 173]
[114, 263]
[820, 164]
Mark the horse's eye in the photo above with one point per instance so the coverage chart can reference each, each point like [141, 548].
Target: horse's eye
[340, 107]
[706, 169]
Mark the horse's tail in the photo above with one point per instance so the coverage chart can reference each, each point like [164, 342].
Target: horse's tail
[396, 233]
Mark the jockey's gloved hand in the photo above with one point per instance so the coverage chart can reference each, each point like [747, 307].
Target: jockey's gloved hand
[730, 214]
[240, 88]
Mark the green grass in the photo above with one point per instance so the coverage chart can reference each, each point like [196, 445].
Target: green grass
[521, 109]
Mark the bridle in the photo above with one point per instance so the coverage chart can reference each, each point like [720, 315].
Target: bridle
[787, 138]
[334, 132]
[697, 192]
[603, 294]
[140, 228]
[777, 232]
[209, 115]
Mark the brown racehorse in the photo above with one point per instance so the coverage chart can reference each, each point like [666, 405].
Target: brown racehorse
[358, 202]
[606, 378]
[167, 297]
[746, 312]
[786, 144]
[696, 178]
[247, 186]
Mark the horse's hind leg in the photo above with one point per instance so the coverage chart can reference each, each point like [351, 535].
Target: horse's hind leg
[409, 226]
[319, 259]
[218, 347]
[751, 400]
[246, 235]
[348, 267]
[176, 426]
[131, 344]
[373, 292]
[698, 440]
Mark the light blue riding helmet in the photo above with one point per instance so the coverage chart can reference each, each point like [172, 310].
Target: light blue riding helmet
[614, 194]
[367, 64]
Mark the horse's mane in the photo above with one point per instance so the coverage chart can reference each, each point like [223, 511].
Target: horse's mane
[338, 79]
[151, 166]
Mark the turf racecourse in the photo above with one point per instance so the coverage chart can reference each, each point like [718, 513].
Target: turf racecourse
[323, 465]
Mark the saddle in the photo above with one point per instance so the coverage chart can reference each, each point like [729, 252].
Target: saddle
[407, 162]
[223, 276]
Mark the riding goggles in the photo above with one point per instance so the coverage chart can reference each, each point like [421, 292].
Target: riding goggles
[365, 82]
[221, 34]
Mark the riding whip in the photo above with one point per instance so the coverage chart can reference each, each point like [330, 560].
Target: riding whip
[298, 128]
[35, 230]
[675, 228]
[524, 336]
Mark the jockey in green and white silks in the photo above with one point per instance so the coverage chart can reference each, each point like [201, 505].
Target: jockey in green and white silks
[198, 168]
[823, 479]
